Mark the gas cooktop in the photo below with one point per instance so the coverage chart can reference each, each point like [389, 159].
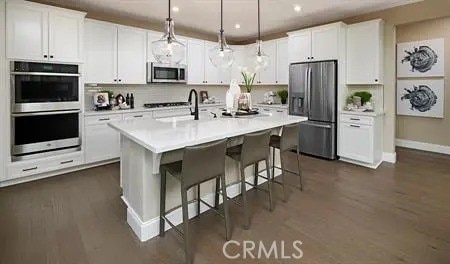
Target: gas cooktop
[159, 105]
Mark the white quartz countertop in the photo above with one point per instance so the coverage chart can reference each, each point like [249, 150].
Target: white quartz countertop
[143, 109]
[159, 137]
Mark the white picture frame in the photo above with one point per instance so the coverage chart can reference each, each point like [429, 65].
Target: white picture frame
[423, 58]
[421, 97]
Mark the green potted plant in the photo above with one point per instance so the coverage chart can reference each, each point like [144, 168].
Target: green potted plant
[365, 96]
[283, 94]
[249, 78]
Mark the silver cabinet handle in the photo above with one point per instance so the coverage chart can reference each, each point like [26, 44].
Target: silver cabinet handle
[355, 126]
[138, 116]
[30, 169]
[355, 119]
[280, 111]
[104, 119]
[66, 162]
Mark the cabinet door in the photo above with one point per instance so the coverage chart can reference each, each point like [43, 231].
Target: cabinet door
[282, 62]
[212, 73]
[196, 62]
[325, 43]
[300, 47]
[151, 37]
[102, 143]
[27, 32]
[100, 52]
[356, 142]
[364, 53]
[65, 37]
[132, 56]
[269, 75]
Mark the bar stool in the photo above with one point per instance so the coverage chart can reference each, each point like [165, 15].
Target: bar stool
[254, 149]
[200, 164]
[286, 142]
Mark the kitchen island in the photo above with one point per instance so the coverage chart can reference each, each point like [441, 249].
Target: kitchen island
[148, 143]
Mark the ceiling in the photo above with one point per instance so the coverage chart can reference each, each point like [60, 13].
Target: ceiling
[203, 16]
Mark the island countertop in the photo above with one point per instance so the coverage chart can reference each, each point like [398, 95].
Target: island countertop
[158, 136]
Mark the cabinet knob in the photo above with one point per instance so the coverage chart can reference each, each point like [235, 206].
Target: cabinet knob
[45, 56]
[115, 80]
[120, 80]
[376, 80]
[309, 58]
[51, 56]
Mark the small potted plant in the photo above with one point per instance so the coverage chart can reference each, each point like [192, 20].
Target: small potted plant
[249, 78]
[283, 94]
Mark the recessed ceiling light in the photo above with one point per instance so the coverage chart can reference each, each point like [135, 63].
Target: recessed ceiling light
[237, 26]
[297, 8]
[175, 9]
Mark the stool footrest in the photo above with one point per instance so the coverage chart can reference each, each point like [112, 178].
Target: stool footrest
[212, 208]
[178, 231]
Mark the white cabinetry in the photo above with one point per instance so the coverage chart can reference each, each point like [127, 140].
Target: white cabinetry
[360, 139]
[282, 67]
[115, 54]
[196, 62]
[239, 62]
[101, 52]
[132, 56]
[317, 44]
[269, 75]
[101, 141]
[41, 33]
[365, 52]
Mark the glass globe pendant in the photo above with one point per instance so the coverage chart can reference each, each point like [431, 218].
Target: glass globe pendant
[221, 56]
[259, 60]
[168, 49]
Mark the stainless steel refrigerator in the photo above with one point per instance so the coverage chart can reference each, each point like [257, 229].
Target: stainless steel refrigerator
[313, 93]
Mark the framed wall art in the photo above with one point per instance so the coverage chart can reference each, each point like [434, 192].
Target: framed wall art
[420, 98]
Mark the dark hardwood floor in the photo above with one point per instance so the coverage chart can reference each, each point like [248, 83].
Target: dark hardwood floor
[347, 214]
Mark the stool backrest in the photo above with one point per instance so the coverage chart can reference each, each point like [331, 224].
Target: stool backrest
[203, 162]
[289, 137]
[255, 147]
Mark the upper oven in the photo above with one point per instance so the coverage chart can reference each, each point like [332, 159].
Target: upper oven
[166, 73]
[38, 87]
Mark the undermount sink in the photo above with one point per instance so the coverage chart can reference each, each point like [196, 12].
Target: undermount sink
[176, 119]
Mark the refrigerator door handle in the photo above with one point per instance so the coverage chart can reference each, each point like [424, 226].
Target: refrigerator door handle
[307, 92]
[309, 77]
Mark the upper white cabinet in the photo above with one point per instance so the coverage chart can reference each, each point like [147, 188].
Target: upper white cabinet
[300, 46]
[115, 54]
[282, 67]
[365, 52]
[41, 33]
[196, 62]
[132, 56]
[317, 44]
[269, 75]
[100, 52]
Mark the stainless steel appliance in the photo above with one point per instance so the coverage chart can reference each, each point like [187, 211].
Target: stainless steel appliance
[166, 73]
[41, 134]
[171, 104]
[45, 109]
[313, 93]
[44, 87]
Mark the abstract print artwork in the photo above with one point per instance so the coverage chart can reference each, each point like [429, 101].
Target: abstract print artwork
[421, 58]
[420, 98]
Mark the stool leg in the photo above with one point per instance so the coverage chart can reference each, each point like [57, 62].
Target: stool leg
[184, 205]
[283, 178]
[162, 204]
[269, 185]
[216, 199]
[256, 173]
[273, 163]
[198, 200]
[299, 171]
[244, 199]
[226, 211]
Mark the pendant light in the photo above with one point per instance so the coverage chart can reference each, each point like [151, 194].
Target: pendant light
[168, 49]
[260, 60]
[221, 56]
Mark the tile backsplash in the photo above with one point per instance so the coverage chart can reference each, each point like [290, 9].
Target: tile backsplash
[154, 93]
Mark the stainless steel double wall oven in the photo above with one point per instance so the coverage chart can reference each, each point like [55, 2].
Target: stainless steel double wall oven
[45, 109]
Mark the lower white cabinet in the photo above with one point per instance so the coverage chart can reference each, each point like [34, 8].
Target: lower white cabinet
[102, 142]
[360, 139]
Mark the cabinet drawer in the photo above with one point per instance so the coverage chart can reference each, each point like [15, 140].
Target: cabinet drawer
[355, 119]
[357, 142]
[98, 120]
[28, 168]
[137, 115]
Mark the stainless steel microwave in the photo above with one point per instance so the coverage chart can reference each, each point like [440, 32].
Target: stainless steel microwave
[166, 73]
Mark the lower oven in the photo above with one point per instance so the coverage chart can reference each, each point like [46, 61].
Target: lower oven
[43, 134]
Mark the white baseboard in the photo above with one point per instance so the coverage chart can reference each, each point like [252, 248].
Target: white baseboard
[150, 229]
[423, 146]
[390, 157]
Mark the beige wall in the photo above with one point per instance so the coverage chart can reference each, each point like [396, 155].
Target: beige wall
[422, 129]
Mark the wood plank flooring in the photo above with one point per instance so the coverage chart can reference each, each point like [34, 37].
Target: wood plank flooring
[347, 214]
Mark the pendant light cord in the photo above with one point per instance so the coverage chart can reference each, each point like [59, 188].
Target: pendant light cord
[170, 18]
[259, 29]
[221, 25]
